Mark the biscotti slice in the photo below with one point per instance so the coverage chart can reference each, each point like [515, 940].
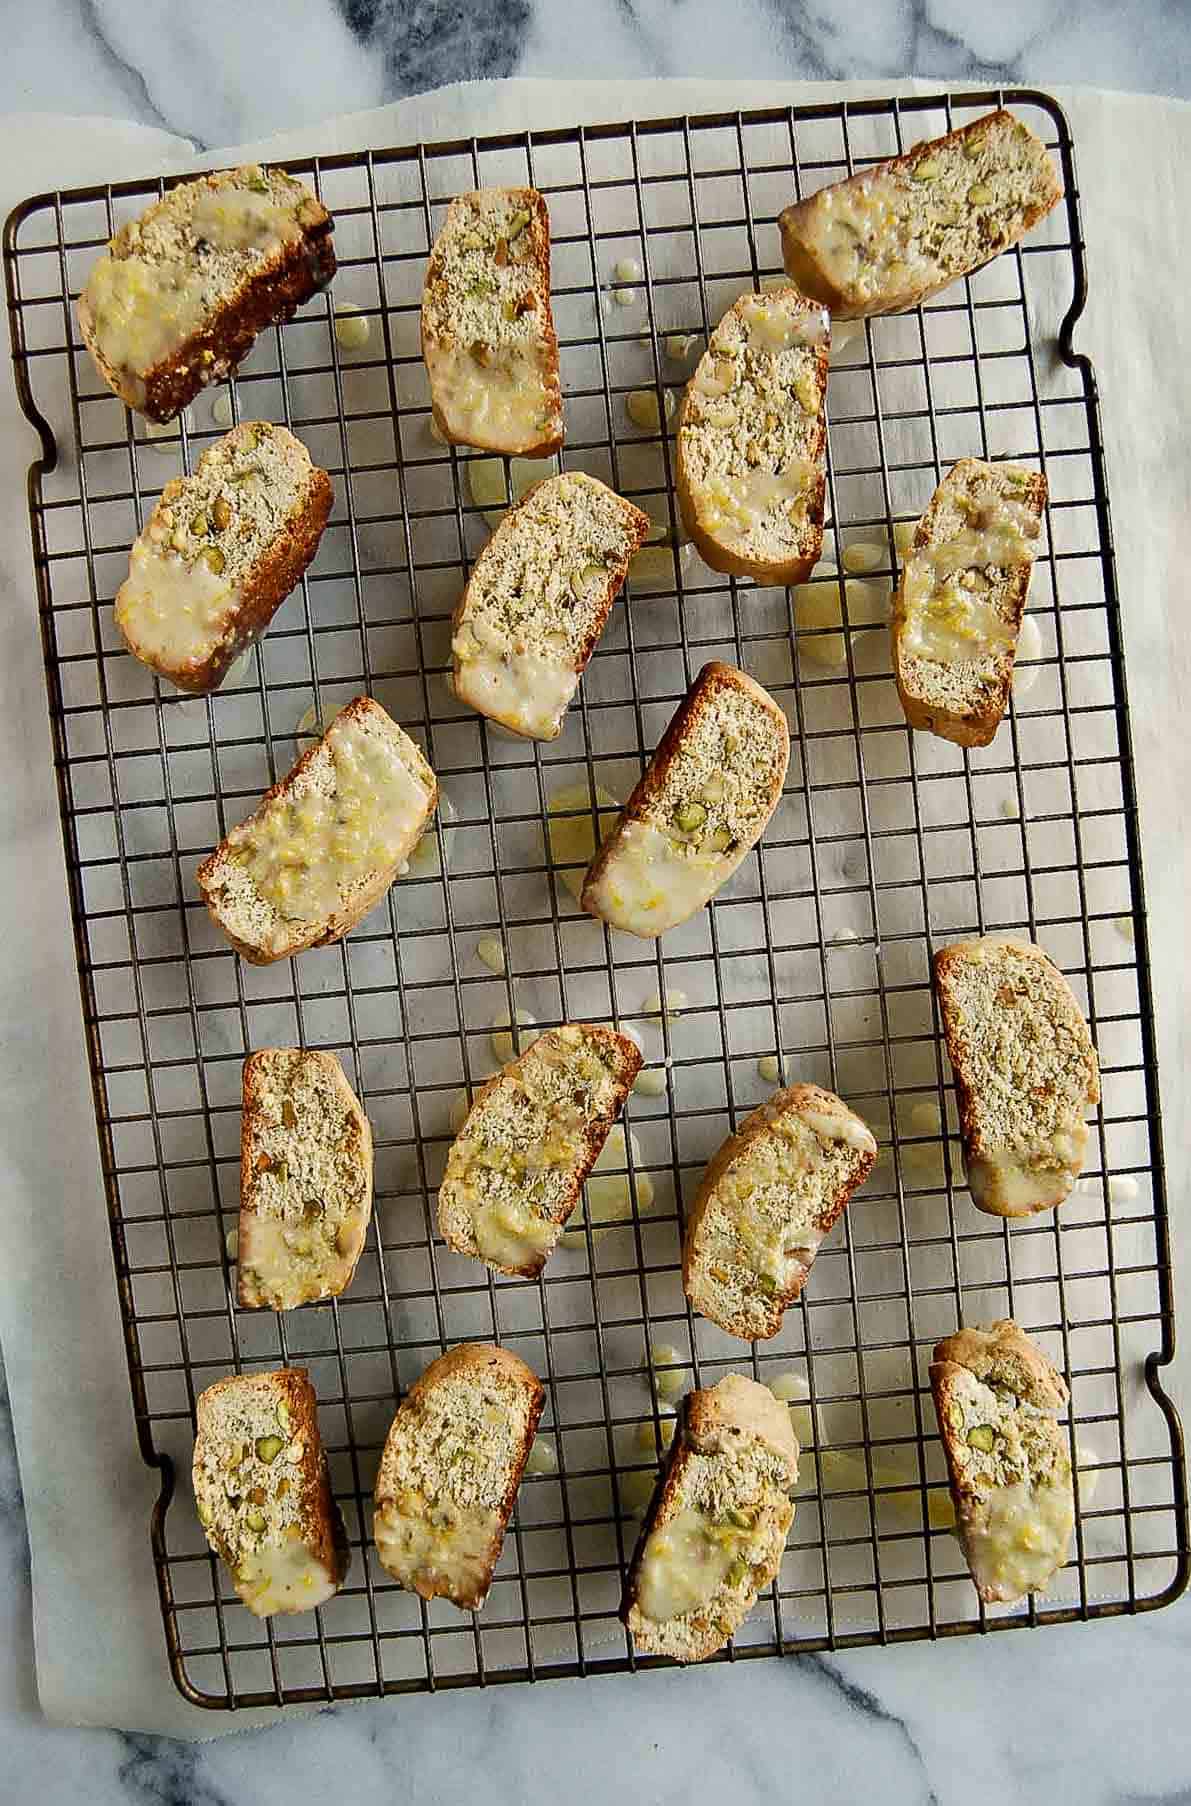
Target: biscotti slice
[537, 601]
[997, 1399]
[958, 608]
[181, 293]
[220, 553]
[450, 1470]
[305, 1179]
[1025, 1072]
[262, 1491]
[325, 843]
[716, 1528]
[752, 439]
[886, 239]
[487, 330]
[534, 1132]
[766, 1201]
[703, 801]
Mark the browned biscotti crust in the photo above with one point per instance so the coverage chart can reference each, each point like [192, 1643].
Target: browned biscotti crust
[803, 224]
[697, 1282]
[477, 1358]
[722, 1420]
[276, 289]
[458, 1231]
[975, 722]
[366, 894]
[1004, 1351]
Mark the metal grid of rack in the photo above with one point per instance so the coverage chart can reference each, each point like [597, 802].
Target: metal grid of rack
[885, 844]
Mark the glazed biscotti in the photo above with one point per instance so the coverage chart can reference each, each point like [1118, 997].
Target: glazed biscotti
[450, 1470]
[752, 439]
[703, 801]
[769, 1197]
[997, 1398]
[886, 239]
[1025, 1072]
[220, 553]
[714, 1534]
[537, 601]
[487, 330]
[326, 843]
[262, 1492]
[517, 1166]
[181, 293]
[305, 1179]
[958, 608]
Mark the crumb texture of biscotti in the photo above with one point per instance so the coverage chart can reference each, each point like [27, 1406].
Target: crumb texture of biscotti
[702, 803]
[326, 843]
[220, 552]
[997, 1398]
[716, 1528]
[537, 601]
[958, 609]
[752, 439]
[450, 1470]
[886, 239]
[262, 1491]
[1025, 1072]
[488, 334]
[305, 1179]
[181, 293]
[515, 1170]
[767, 1200]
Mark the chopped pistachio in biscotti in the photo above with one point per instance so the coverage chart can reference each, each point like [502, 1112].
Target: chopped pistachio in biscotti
[703, 801]
[752, 439]
[487, 330]
[531, 1137]
[889, 237]
[220, 552]
[449, 1473]
[1025, 1071]
[537, 601]
[716, 1529]
[262, 1492]
[181, 293]
[996, 1396]
[305, 1179]
[957, 613]
[767, 1200]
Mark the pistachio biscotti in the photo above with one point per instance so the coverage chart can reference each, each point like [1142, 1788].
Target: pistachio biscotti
[534, 1132]
[752, 439]
[997, 1398]
[220, 553]
[305, 1179]
[769, 1197]
[326, 842]
[537, 601]
[716, 1528]
[958, 609]
[704, 800]
[1025, 1072]
[450, 1470]
[488, 334]
[181, 293]
[886, 239]
[263, 1494]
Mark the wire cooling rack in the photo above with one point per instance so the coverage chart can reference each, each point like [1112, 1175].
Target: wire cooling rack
[884, 845]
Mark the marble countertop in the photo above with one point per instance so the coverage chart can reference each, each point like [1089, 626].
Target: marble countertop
[1095, 1713]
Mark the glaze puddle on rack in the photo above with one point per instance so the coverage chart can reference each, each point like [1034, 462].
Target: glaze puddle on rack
[883, 845]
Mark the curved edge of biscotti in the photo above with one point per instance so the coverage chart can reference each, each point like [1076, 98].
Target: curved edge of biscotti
[467, 1357]
[596, 1134]
[793, 1099]
[367, 896]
